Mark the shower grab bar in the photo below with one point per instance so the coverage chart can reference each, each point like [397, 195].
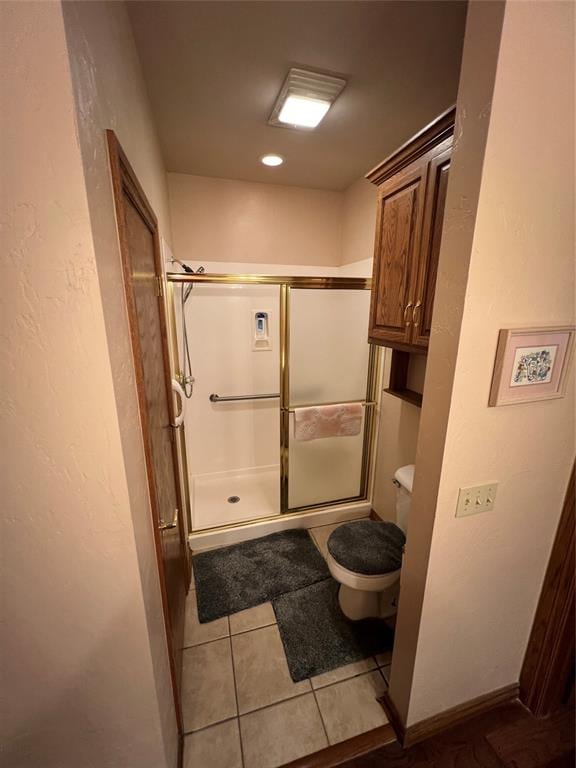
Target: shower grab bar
[231, 398]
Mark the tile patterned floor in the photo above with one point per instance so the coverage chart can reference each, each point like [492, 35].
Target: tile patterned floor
[241, 708]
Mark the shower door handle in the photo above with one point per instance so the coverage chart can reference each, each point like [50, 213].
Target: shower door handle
[177, 389]
[168, 526]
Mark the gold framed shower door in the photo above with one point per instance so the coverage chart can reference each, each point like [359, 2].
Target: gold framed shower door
[287, 284]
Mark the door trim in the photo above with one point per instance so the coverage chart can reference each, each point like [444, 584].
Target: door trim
[124, 180]
[549, 660]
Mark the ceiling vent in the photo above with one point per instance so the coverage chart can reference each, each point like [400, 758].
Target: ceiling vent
[305, 98]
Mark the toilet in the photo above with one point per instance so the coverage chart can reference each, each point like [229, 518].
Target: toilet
[365, 557]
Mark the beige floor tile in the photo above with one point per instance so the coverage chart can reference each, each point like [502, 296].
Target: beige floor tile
[207, 685]
[261, 670]
[214, 747]
[252, 618]
[386, 672]
[196, 633]
[281, 733]
[343, 673]
[350, 708]
[384, 659]
[322, 534]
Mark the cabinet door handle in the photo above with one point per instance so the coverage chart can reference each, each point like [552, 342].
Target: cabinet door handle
[406, 308]
[416, 312]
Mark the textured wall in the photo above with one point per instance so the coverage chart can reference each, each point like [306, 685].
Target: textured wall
[109, 92]
[397, 440]
[358, 221]
[485, 571]
[78, 673]
[228, 220]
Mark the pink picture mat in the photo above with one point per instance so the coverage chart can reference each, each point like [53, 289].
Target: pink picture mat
[502, 392]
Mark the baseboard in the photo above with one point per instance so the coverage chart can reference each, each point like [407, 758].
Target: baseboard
[346, 750]
[425, 729]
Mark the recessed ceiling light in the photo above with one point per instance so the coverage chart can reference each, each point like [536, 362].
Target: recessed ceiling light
[272, 160]
[305, 98]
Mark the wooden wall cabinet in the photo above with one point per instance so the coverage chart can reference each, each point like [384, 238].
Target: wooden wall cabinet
[412, 185]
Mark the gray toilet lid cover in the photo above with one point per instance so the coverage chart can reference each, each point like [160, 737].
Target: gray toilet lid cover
[368, 547]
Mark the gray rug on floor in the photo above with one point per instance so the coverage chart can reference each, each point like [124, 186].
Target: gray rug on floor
[241, 576]
[317, 637]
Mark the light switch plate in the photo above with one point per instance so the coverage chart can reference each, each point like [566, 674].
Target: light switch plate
[477, 498]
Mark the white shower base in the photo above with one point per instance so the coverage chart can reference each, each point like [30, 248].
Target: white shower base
[257, 487]
[201, 540]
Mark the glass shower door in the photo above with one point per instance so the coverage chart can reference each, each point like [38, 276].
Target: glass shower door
[329, 362]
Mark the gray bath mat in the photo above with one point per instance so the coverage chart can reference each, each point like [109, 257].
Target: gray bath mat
[317, 637]
[243, 575]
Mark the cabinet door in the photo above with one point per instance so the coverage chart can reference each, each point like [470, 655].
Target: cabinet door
[398, 232]
[427, 267]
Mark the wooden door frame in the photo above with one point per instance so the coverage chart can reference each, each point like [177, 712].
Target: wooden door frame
[124, 181]
[549, 660]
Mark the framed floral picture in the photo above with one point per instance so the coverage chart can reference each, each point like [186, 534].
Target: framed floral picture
[531, 364]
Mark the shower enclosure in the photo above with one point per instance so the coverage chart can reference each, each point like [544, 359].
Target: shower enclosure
[260, 347]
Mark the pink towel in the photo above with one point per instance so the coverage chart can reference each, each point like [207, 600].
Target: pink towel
[327, 421]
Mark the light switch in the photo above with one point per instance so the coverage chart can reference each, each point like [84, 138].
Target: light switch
[477, 498]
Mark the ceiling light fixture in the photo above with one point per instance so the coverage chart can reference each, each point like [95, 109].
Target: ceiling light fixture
[272, 160]
[305, 98]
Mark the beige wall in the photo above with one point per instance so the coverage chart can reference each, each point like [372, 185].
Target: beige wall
[397, 438]
[228, 220]
[78, 674]
[358, 221]
[109, 92]
[485, 572]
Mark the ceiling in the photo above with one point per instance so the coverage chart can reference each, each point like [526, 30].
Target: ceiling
[213, 71]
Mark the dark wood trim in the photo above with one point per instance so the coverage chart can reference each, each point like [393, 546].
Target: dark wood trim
[346, 750]
[398, 384]
[547, 676]
[392, 713]
[439, 129]
[425, 729]
[124, 180]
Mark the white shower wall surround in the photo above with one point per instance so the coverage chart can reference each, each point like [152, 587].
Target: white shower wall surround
[233, 449]
[232, 436]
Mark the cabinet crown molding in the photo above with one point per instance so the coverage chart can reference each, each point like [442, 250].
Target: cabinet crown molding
[439, 129]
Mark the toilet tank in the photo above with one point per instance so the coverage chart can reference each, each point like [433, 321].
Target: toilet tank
[403, 480]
